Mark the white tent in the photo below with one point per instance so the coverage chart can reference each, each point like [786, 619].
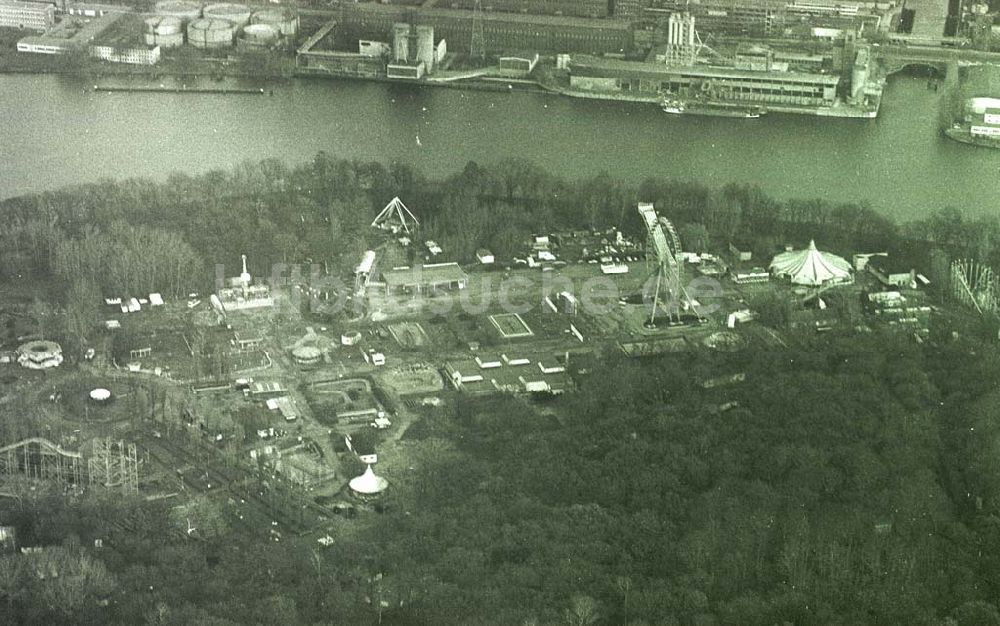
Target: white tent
[368, 484]
[811, 266]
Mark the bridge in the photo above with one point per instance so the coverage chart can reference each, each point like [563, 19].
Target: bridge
[897, 57]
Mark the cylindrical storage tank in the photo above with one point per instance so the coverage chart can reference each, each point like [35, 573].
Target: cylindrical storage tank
[260, 35]
[166, 31]
[401, 42]
[207, 33]
[182, 9]
[236, 13]
[285, 20]
[425, 47]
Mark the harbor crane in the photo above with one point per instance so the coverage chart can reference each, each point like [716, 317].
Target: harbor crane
[663, 251]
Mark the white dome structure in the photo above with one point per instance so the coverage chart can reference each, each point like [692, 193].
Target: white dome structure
[368, 484]
[811, 267]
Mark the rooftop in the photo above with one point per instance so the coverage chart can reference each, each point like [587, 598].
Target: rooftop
[582, 62]
[436, 274]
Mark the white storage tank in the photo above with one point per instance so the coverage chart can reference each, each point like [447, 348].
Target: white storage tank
[285, 20]
[165, 31]
[236, 13]
[260, 35]
[183, 9]
[208, 33]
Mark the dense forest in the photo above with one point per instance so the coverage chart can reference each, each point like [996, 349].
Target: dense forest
[136, 236]
[855, 481]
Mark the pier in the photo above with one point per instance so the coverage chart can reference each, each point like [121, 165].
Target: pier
[182, 89]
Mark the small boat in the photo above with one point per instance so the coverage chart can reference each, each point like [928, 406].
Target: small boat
[679, 107]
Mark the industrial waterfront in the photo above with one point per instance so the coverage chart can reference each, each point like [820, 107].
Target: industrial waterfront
[900, 162]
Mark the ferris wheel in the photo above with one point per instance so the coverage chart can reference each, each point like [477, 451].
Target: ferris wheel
[663, 254]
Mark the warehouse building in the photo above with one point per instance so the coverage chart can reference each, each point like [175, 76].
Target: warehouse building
[612, 76]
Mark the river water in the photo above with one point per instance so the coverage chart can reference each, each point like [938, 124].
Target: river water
[56, 132]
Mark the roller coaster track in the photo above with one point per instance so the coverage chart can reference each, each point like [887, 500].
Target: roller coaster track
[39, 458]
[42, 443]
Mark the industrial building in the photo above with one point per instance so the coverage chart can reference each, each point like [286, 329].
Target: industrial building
[316, 55]
[572, 8]
[26, 15]
[129, 55]
[502, 31]
[616, 77]
[72, 34]
[414, 53]
[771, 18]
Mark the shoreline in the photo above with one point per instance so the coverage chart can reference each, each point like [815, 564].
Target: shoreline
[481, 83]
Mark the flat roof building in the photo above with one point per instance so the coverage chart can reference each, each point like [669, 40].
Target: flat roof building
[26, 15]
[716, 83]
[421, 278]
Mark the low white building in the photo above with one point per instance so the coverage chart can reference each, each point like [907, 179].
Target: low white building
[130, 56]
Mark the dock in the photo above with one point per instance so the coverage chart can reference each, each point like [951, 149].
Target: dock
[182, 89]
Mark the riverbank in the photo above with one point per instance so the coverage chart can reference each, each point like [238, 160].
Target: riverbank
[60, 132]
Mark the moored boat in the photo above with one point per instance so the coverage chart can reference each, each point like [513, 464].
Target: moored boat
[679, 107]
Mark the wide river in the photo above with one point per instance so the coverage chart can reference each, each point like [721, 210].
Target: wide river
[56, 132]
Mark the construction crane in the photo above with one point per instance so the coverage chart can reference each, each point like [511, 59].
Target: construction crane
[663, 251]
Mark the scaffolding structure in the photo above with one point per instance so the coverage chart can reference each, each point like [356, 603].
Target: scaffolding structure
[114, 464]
[41, 459]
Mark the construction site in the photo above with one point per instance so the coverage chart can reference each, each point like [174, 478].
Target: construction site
[287, 420]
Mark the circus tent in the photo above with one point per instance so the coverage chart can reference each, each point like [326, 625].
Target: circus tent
[811, 267]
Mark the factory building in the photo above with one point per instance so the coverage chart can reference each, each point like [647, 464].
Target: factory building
[414, 53]
[571, 8]
[314, 56]
[612, 76]
[128, 55]
[70, 35]
[26, 15]
[502, 31]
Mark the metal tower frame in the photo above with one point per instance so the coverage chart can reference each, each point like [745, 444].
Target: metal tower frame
[397, 212]
[115, 464]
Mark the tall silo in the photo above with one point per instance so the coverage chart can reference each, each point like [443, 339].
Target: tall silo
[401, 42]
[425, 47]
